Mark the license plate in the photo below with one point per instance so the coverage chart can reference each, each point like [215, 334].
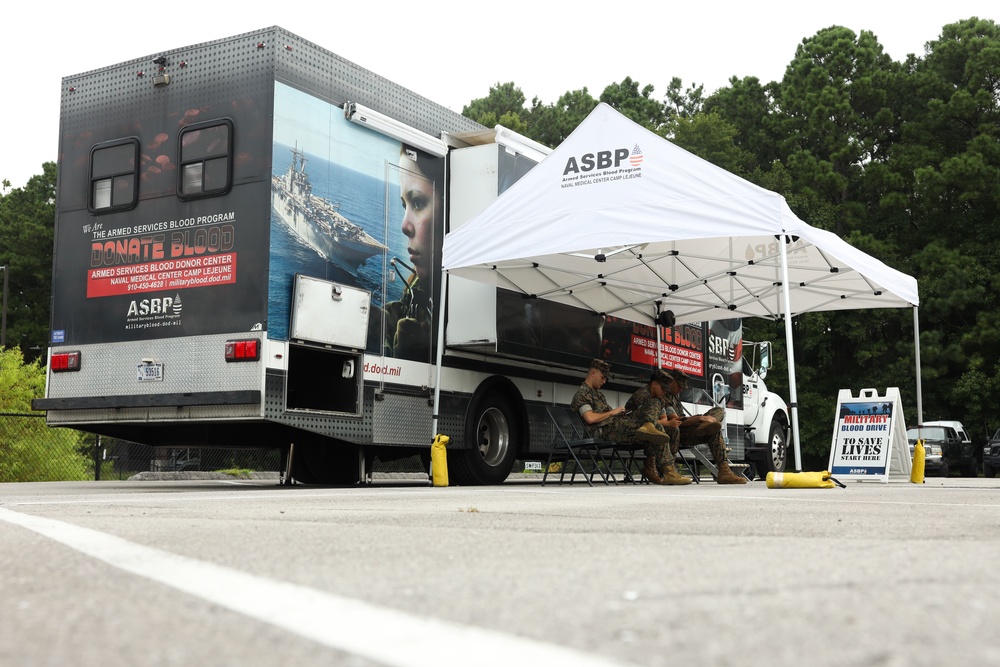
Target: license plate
[151, 372]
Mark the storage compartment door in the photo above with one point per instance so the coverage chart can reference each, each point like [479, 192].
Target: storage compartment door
[329, 313]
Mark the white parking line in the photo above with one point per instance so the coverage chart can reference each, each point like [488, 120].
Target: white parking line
[385, 635]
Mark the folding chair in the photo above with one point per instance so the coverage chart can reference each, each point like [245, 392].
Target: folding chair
[569, 447]
[610, 452]
[696, 456]
[691, 457]
[634, 460]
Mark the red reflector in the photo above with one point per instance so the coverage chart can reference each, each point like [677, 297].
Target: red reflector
[65, 361]
[243, 350]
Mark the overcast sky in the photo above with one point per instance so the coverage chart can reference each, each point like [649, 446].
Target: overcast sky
[449, 52]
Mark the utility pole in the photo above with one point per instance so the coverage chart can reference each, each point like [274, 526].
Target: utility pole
[3, 308]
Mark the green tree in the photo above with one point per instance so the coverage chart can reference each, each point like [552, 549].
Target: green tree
[636, 104]
[550, 124]
[946, 173]
[836, 115]
[27, 219]
[710, 137]
[503, 105]
[29, 450]
[748, 106]
[681, 104]
[942, 208]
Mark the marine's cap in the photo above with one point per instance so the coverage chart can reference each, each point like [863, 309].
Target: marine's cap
[601, 365]
[679, 376]
[660, 375]
[676, 374]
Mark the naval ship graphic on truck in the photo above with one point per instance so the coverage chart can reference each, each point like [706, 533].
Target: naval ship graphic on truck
[317, 221]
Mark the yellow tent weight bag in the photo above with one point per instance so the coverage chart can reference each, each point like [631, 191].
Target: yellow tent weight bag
[801, 480]
[439, 460]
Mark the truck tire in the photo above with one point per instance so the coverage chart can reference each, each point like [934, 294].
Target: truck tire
[989, 471]
[776, 453]
[491, 435]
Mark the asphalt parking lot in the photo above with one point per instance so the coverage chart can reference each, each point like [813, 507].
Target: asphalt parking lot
[245, 572]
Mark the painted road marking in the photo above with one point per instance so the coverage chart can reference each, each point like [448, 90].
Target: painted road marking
[379, 633]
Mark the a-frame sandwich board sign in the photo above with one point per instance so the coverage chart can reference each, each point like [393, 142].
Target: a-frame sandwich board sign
[869, 437]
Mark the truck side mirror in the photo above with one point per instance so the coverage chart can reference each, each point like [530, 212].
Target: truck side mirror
[765, 359]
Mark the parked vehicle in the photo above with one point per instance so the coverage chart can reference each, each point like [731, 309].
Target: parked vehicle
[968, 461]
[944, 450]
[991, 456]
[233, 268]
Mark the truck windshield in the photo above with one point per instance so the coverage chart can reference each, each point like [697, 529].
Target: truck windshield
[927, 433]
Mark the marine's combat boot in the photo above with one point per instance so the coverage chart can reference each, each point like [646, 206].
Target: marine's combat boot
[674, 478]
[650, 471]
[649, 433]
[727, 476]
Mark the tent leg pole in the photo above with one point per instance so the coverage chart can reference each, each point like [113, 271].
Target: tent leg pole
[440, 354]
[916, 348]
[793, 404]
[659, 349]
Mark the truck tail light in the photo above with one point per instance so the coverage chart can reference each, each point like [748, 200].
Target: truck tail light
[62, 362]
[243, 350]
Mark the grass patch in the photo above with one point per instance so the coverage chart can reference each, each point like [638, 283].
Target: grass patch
[243, 473]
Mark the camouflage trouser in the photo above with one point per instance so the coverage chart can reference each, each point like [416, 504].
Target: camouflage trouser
[716, 443]
[674, 446]
[622, 428]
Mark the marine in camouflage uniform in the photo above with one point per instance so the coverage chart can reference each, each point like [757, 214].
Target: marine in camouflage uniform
[643, 401]
[620, 428]
[650, 399]
[639, 425]
[681, 436]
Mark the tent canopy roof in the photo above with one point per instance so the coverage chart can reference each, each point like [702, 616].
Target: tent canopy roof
[618, 219]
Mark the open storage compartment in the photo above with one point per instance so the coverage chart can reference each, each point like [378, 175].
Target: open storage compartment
[327, 338]
[323, 380]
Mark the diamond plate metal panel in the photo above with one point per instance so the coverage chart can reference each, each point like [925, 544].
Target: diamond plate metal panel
[152, 415]
[191, 364]
[399, 419]
[332, 78]
[350, 429]
[130, 82]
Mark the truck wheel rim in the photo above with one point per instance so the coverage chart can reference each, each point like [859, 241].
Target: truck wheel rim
[494, 436]
[777, 450]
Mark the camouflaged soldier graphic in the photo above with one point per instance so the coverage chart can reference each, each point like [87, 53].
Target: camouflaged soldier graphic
[408, 325]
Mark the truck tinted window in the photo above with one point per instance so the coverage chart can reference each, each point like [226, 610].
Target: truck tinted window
[114, 175]
[929, 433]
[206, 159]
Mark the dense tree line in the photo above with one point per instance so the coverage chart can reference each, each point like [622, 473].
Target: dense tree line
[901, 159]
[27, 222]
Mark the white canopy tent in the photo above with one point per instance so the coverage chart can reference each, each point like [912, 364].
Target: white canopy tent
[620, 221]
